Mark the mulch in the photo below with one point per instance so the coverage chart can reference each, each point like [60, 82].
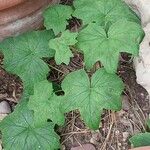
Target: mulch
[117, 127]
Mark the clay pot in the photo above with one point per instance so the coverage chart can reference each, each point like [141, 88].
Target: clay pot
[23, 16]
[142, 148]
[9, 3]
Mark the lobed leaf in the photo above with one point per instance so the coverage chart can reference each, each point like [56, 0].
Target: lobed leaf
[99, 45]
[45, 104]
[61, 46]
[91, 96]
[56, 16]
[103, 12]
[23, 56]
[19, 132]
[141, 139]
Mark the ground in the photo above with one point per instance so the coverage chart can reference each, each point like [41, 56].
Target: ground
[117, 127]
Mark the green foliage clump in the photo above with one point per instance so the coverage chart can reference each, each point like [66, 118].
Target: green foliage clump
[108, 28]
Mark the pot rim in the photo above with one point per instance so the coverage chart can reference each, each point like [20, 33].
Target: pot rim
[4, 4]
[22, 10]
[141, 148]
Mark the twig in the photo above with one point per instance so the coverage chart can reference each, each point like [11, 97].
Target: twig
[55, 68]
[103, 147]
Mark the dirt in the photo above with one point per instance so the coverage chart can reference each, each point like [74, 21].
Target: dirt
[117, 127]
[10, 86]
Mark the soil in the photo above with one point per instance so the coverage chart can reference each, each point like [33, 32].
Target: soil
[117, 127]
[10, 85]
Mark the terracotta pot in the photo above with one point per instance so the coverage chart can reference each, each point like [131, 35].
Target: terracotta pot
[22, 17]
[33, 22]
[9, 3]
[142, 148]
[22, 10]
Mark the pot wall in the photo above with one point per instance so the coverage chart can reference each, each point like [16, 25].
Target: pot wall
[22, 17]
[142, 148]
[9, 3]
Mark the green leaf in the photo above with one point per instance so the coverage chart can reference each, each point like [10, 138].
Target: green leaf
[148, 123]
[99, 45]
[103, 12]
[19, 132]
[141, 139]
[55, 17]
[91, 96]
[46, 104]
[61, 46]
[23, 56]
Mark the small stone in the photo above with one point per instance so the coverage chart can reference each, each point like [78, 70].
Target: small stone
[125, 136]
[2, 116]
[95, 137]
[63, 147]
[85, 146]
[4, 108]
[117, 132]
